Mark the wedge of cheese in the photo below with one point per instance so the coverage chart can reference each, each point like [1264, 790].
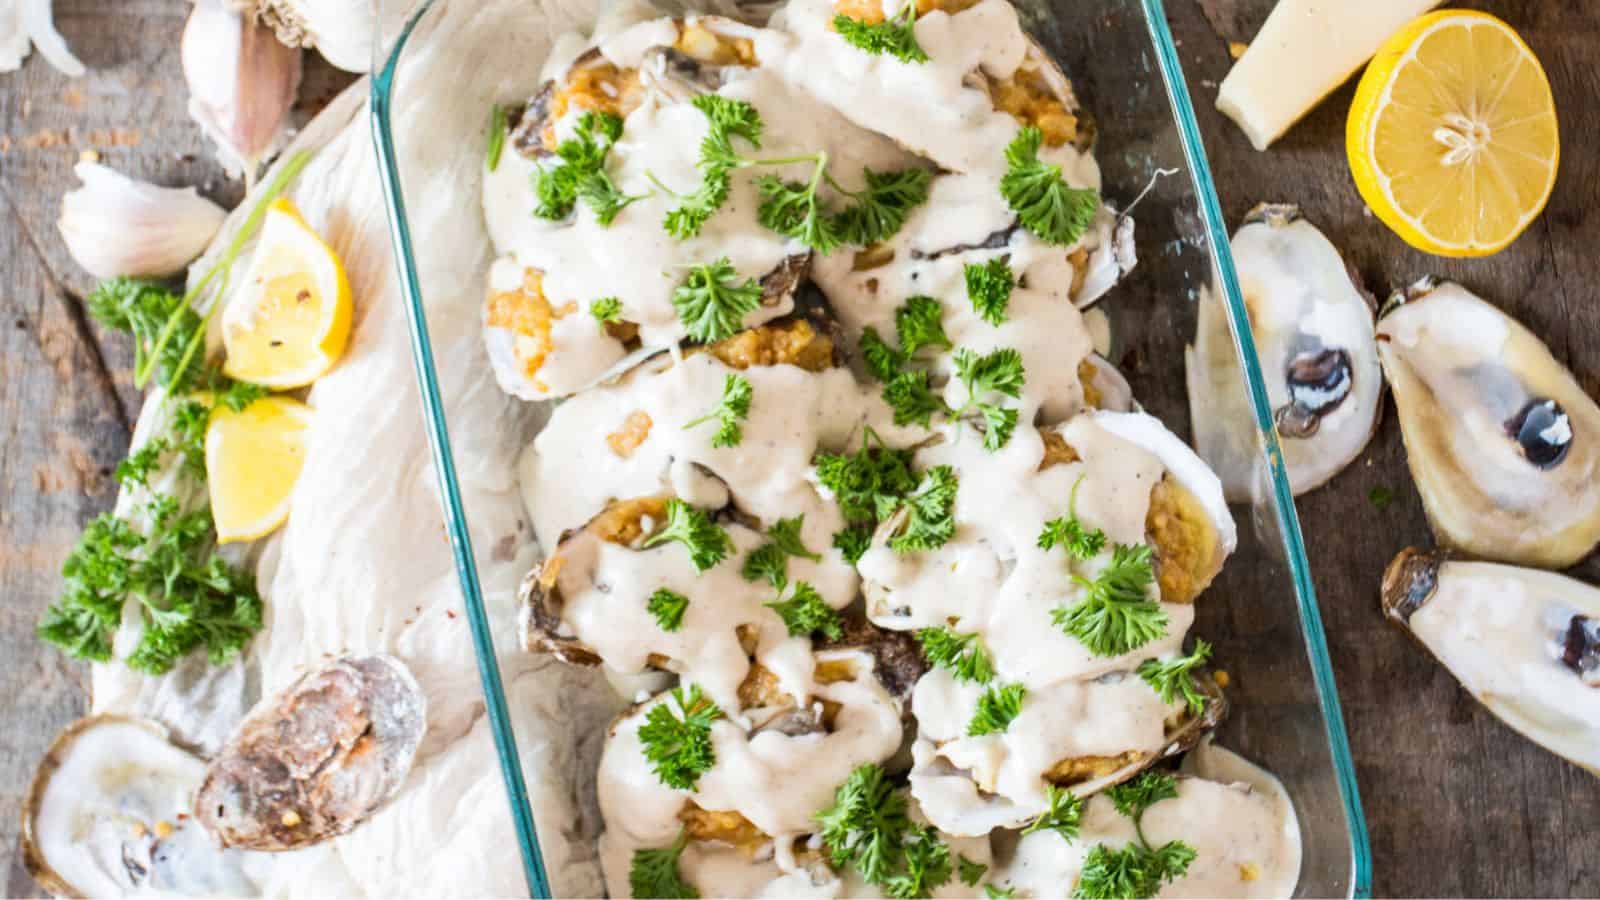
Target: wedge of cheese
[1306, 49]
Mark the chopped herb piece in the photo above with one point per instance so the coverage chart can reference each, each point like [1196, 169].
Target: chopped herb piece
[733, 409]
[932, 523]
[668, 607]
[870, 483]
[997, 372]
[676, 737]
[866, 825]
[989, 287]
[1132, 798]
[1380, 497]
[497, 135]
[895, 36]
[731, 117]
[1045, 204]
[770, 561]
[805, 612]
[240, 395]
[712, 303]
[919, 323]
[685, 220]
[912, 399]
[999, 423]
[963, 654]
[691, 526]
[882, 360]
[996, 708]
[1173, 677]
[164, 326]
[1063, 816]
[970, 872]
[998, 893]
[795, 210]
[142, 463]
[582, 174]
[606, 310]
[853, 543]
[1137, 869]
[1069, 533]
[654, 873]
[786, 534]
[927, 865]
[1116, 615]
[882, 206]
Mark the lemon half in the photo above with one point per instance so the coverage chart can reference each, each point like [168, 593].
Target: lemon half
[253, 459]
[1452, 136]
[290, 320]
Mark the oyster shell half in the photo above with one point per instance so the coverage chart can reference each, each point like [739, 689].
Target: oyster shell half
[1500, 438]
[315, 760]
[1313, 329]
[1524, 642]
[109, 813]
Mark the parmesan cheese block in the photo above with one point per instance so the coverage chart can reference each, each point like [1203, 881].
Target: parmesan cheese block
[1306, 49]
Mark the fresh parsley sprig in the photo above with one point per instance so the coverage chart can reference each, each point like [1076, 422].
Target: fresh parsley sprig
[932, 520]
[996, 708]
[918, 323]
[853, 542]
[606, 311]
[1045, 204]
[895, 35]
[711, 301]
[668, 606]
[806, 612]
[731, 410]
[868, 828]
[692, 527]
[1115, 615]
[1172, 678]
[1067, 532]
[654, 873]
[1063, 815]
[970, 871]
[870, 483]
[582, 173]
[770, 561]
[676, 737]
[1137, 869]
[989, 287]
[998, 372]
[963, 654]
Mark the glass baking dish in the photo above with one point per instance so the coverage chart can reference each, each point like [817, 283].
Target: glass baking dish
[1261, 614]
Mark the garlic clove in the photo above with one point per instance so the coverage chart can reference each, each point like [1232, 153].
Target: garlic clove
[114, 225]
[341, 30]
[242, 82]
[25, 24]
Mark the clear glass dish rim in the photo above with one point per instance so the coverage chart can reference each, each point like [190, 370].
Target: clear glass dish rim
[385, 67]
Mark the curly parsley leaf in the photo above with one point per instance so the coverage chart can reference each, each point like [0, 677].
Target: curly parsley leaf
[606, 310]
[1063, 816]
[654, 873]
[927, 865]
[806, 612]
[895, 36]
[996, 708]
[731, 410]
[685, 220]
[676, 737]
[731, 117]
[1045, 204]
[998, 372]
[692, 527]
[712, 302]
[1172, 678]
[870, 483]
[853, 543]
[1132, 798]
[1115, 614]
[770, 561]
[1115, 874]
[785, 533]
[581, 173]
[969, 871]
[963, 654]
[912, 399]
[882, 360]
[882, 206]
[1137, 869]
[166, 330]
[1069, 533]
[866, 825]
[919, 323]
[668, 607]
[998, 893]
[932, 521]
[989, 287]
[796, 209]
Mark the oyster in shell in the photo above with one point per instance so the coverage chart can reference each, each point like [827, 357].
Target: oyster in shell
[315, 760]
[1498, 434]
[1313, 329]
[110, 813]
[1524, 642]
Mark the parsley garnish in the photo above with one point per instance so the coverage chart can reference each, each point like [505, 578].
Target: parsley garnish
[497, 135]
[919, 323]
[895, 36]
[853, 542]
[691, 526]
[676, 737]
[998, 372]
[996, 708]
[582, 173]
[770, 561]
[1380, 497]
[712, 303]
[882, 360]
[882, 206]
[794, 210]
[1045, 204]
[1137, 869]
[969, 871]
[963, 654]
[932, 523]
[1063, 816]
[668, 607]
[912, 398]
[1173, 677]
[927, 865]
[606, 310]
[730, 411]
[998, 893]
[989, 287]
[867, 828]
[1069, 533]
[654, 873]
[805, 612]
[870, 483]
[1116, 615]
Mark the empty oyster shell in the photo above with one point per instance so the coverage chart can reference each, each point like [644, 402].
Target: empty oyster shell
[315, 760]
[1499, 436]
[110, 813]
[1524, 642]
[1313, 329]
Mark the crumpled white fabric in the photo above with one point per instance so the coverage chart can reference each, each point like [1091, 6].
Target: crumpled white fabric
[363, 564]
[25, 24]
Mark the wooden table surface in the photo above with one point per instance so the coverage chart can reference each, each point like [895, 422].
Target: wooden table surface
[1456, 803]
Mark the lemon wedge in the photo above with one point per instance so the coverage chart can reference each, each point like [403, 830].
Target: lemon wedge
[290, 320]
[253, 459]
[1452, 136]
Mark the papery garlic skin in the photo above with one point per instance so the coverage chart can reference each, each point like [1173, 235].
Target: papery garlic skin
[242, 83]
[25, 24]
[114, 225]
[341, 30]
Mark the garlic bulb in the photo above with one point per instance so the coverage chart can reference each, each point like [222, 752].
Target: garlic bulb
[242, 82]
[28, 23]
[341, 30]
[114, 225]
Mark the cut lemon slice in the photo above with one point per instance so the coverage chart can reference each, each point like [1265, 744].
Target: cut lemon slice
[290, 320]
[1452, 135]
[253, 459]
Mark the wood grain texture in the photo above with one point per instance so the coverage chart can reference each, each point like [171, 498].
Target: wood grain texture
[1457, 804]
